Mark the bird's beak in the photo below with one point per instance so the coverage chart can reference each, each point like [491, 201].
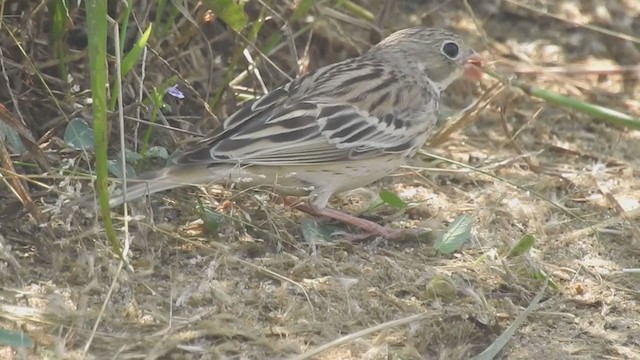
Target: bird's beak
[472, 66]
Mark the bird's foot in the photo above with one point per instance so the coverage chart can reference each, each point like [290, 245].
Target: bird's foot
[369, 228]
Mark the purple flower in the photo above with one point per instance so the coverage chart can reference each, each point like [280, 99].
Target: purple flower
[175, 92]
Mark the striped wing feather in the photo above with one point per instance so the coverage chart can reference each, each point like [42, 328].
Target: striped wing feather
[297, 125]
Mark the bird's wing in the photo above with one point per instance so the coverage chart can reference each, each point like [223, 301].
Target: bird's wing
[304, 133]
[304, 122]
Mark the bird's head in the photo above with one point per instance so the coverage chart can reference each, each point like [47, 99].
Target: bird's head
[438, 55]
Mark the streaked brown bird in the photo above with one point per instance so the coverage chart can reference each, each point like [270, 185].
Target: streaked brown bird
[340, 127]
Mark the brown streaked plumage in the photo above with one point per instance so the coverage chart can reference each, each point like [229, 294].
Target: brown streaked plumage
[340, 127]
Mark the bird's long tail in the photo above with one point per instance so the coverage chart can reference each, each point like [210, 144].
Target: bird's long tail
[165, 179]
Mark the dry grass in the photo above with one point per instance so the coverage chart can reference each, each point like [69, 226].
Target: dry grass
[259, 289]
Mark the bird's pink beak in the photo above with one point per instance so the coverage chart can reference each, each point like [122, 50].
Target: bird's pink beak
[472, 67]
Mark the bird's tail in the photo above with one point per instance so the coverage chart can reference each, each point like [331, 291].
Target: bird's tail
[165, 179]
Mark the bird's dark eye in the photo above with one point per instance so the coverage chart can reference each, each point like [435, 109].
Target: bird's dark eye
[450, 49]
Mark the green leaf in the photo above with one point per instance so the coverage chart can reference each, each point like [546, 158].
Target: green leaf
[78, 134]
[523, 246]
[210, 218]
[115, 168]
[129, 61]
[230, 11]
[12, 138]
[440, 287]
[458, 233]
[158, 152]
[392, 199]
[131, 156]
[14, 339]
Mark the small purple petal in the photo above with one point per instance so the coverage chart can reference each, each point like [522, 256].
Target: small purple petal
[175, 92]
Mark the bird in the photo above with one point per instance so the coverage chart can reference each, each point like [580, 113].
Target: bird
[340, 127]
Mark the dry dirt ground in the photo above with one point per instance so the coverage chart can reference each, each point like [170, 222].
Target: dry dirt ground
[262, 286]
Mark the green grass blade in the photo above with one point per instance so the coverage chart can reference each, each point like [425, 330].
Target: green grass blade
[124, 24]
[59, 19]
[302, 9]
[357, 10]
[494, 349]
[132, 57]
[129, 61]
[231, 12]
[97, 32]
[599, 112]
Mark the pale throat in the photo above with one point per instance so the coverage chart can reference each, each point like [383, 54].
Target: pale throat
[442, 84]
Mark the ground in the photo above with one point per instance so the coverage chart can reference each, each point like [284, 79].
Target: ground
[264, 284]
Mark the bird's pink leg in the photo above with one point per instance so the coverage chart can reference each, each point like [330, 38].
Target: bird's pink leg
[369, 227]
